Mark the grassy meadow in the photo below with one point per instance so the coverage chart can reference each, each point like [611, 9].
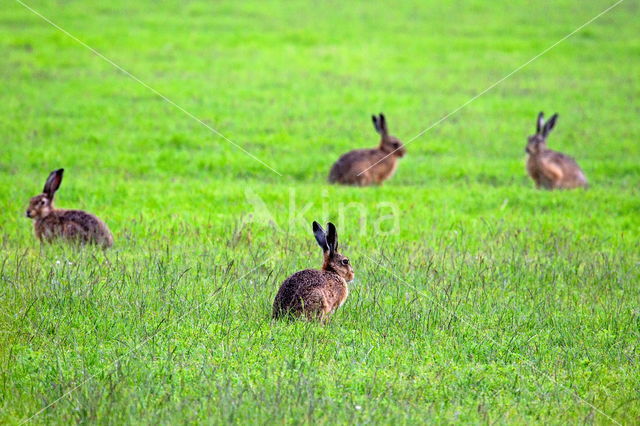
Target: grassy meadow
[477, 298]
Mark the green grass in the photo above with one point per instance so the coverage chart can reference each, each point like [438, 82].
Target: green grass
[480, 300]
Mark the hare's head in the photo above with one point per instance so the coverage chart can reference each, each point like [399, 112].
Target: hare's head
[41, 205]
[538, 142]
[333, 261]
[389, 144]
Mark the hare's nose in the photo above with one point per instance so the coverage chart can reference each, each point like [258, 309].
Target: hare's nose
[28, 214]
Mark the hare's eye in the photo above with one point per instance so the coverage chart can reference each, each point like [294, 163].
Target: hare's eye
[345, 261]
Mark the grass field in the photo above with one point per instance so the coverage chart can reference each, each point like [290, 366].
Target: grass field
[477, 298]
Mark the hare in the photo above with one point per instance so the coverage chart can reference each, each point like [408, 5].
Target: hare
[316, 293]
[72, 225]
[369, 166]
[550, 169]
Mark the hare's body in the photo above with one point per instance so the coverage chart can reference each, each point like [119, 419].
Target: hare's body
[313, 293]
[73, 225]
[555, 170]
[550, 169]
[70, 225]
[363, 167]
[369, 166]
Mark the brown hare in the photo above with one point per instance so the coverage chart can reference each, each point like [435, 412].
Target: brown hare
[71, 225]
[316, 293]
[369, 166]
[550, 169]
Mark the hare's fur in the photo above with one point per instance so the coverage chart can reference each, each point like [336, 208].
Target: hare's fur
[316, 294]
[70, 225]
[312, 292]
[550, 169]
[554, 170]
[369, 166]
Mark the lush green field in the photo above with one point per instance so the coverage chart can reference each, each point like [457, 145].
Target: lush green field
[477, 298]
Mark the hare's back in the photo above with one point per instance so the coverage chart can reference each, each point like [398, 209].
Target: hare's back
[354, 162]
[86, 221]
[301, 291]
[86, 226]
[560, 159]
[301, 282]
[356, 156]
[567, 163]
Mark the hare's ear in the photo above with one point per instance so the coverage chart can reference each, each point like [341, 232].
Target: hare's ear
[549, 125]
[53, 183]
[376, 124]
[321, 237]
[383, 124]
[332, 238]
[540, 122]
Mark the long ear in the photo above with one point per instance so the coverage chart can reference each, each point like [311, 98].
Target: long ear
[376, 124]
[540, 122]
[383, 124]
[332, 238]
[321, 237]
[549, 125]
[53, 183]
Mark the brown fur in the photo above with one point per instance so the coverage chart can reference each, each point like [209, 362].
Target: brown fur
[70, 225]
[369, 166]
[550, 169]
[316, 293]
